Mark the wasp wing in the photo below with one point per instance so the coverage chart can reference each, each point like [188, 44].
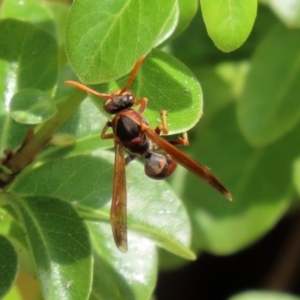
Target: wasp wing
[187, 162]
[118, 211]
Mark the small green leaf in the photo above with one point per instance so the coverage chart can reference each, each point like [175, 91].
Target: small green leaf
[12, 133]
[18, 238]
[105, 38]
[228, 23]
[5, 219]
[153, 209]
[121, 276]
[32, 52]
[187, 11]
[288, 11]
[169, 261]
[63, 140]
[297, 175]
[60, 246]
[227, 77]
[261, 193]
[269, 104]
[14, 294]
[32, 11]
[8, 265]
[59, 13]
[263, 295]
[30, 106]
[168, 85]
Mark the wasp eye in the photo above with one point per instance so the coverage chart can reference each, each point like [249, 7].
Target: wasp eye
[126, 99]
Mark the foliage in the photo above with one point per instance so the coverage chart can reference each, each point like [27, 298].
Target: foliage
[54, 216]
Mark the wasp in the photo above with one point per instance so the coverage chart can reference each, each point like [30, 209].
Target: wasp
[132, 135]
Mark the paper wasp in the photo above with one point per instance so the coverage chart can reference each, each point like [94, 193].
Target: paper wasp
[131, 132]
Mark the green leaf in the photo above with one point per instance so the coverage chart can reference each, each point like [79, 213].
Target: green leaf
[169, 261]
[228, 23]
[288, 11]
[13, 294]
[269, 107]
[228, 77]
[60, 246]
[49, 16]
[59, 13]
[153, 209]
[18, 238]
[5, 219]
[121, 276]
[101, 35]
[8, 265]
[263, 295]
[85, 126]
[169, 85]
[32, 53]
[261, 193]
[297, 175]
[30, 106]
[28, 59]
[13, 133]
[187, 11]
[196, 49]
[32, 11]
[28, 10]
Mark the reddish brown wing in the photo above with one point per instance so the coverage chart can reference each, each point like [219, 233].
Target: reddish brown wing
[118, 211]
[187, 162]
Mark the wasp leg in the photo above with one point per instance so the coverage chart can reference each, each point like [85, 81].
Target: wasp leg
[163, 128]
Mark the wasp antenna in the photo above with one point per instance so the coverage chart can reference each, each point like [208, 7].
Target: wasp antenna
[133, 74]
[228, 196]
[87, 89]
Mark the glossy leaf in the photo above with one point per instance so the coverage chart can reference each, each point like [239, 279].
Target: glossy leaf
[30, 106]
[297, 175]
[59, 13]
[187, 11]
[220, 85]
[228, 23]
[13, 294]
[5, 218]
[32, 52]
[28, 59]
[6, 141]
[269, 107]
[263, 295]
[85, 126]
[47, 15]
[197, 50]
[17, 237]
[8, 265]
[153, 209]
[288, 11]
[101, 35]
[261, 193]
[32, 11]
[168, 84]
[112, 267]
[60, 246]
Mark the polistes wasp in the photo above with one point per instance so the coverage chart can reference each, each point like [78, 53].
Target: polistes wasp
[131, 132]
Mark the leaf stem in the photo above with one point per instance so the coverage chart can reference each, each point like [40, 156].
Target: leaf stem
[26, 153]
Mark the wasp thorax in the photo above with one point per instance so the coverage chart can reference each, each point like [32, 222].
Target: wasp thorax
[119, 102]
